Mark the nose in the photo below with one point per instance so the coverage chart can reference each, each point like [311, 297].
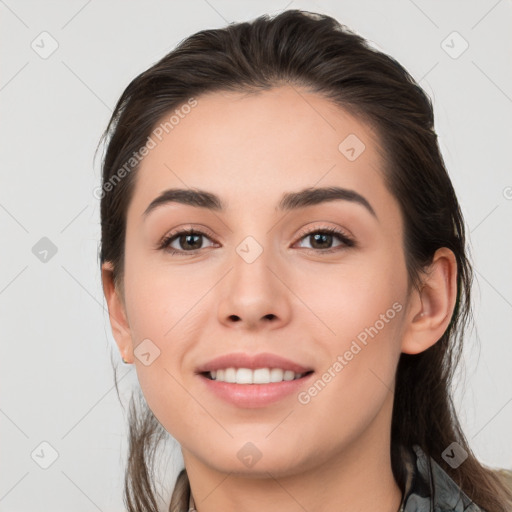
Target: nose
[254, 296]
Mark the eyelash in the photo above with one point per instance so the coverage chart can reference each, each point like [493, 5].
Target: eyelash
[346, 240]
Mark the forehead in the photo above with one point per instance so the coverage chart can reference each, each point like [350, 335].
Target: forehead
[254, 146]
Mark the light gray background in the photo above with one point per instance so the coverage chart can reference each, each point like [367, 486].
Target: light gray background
[57, 384]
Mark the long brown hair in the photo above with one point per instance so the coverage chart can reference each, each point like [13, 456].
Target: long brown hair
[318, 53]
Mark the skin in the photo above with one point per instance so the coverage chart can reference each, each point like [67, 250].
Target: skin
[333, 452]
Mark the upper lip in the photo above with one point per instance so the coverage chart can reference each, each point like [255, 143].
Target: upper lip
[242, 360]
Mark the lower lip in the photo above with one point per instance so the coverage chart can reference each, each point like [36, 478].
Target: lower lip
[254, 395]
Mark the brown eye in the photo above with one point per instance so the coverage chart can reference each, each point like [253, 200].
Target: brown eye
[321, 240]
[190, 241]
[183, 241]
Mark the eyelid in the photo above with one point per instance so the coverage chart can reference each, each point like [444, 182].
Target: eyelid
[190, 227]
[325, 228]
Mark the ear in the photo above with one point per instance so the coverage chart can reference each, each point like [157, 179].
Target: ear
[117, 313]
[430, 309]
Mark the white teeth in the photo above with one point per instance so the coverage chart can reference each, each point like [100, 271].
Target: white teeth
[262, 376]
[244, 376]
[230, 375]
[258, 376]
[276, 375]
[289, 375]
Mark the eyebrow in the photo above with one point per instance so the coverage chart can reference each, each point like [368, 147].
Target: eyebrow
[289, 201]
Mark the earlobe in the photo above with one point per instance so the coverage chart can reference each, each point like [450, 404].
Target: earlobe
[117, 313]
[431, 307]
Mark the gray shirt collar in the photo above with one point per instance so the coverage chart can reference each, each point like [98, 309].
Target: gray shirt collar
[428, 488]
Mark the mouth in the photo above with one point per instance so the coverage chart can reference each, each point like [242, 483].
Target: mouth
[245, 388]
[253, 380]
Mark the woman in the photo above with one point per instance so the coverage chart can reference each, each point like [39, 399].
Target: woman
[283, 259]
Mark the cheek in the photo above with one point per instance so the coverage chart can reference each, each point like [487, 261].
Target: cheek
[354, 297]
[160, 295]
[364, 310]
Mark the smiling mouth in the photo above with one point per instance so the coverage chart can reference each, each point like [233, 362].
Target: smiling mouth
[257, 376]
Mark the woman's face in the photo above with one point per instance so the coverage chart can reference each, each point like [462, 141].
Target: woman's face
[263, 277]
